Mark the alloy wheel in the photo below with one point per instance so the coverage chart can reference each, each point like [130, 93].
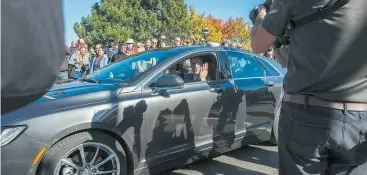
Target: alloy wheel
[89, 159]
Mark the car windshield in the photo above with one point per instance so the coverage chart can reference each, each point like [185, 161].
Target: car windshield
[129, 68]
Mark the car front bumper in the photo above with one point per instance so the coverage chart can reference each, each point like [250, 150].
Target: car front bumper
[17, 157]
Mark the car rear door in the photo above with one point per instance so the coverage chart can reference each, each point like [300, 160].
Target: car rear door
[250, 77]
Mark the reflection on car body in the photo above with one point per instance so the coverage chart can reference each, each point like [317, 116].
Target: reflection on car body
[146, 114]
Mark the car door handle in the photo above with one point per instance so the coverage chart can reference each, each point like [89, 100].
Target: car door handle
[216, 89]
[270, 83]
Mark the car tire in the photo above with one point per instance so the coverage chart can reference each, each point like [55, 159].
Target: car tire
[274, 133]
[53, 156]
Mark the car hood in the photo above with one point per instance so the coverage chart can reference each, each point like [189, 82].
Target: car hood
[59, 91]
[64, 97]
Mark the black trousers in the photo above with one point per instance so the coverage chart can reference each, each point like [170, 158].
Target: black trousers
[317, 140]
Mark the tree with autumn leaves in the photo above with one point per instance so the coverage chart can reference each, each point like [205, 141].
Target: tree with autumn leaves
[234, 29]
[141, 19]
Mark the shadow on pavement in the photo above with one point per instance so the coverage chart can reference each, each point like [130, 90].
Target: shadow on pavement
[256, 155]
[251, 154]
[213, 167]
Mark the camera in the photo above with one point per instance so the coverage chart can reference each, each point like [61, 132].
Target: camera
[254, 13]
[280, 41]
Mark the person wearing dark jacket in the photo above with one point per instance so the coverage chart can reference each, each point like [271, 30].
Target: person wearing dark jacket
[121, 54]
[26, 77]
[323, 123]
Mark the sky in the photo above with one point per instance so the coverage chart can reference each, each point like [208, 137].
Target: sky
[74, 10]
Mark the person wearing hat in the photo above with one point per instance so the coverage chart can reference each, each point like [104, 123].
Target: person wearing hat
[81, 41]
[131, 50]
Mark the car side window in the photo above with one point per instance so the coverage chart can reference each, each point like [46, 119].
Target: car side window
[190, 69]
[244, 66]
[225, 70]
[270, 69]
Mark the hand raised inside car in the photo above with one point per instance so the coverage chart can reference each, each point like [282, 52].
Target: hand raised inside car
[204, 72]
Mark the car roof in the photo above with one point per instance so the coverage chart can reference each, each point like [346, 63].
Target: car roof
[201, 47]
[183, 49]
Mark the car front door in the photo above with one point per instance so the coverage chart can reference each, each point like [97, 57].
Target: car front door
[177, 122]
[251, 78]
[231, 103]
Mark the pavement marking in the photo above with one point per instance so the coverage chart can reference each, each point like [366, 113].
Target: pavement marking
[246, 165]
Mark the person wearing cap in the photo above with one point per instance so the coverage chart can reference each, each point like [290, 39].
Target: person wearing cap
[131, 50]
[81, 41]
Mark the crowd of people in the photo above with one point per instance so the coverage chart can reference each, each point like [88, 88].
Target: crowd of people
[82, 60]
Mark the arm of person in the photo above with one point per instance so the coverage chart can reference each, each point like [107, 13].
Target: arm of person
[269, 25]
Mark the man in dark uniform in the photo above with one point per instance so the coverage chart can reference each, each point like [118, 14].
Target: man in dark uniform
[323, 124]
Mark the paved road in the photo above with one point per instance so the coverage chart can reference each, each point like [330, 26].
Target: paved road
[252, 160]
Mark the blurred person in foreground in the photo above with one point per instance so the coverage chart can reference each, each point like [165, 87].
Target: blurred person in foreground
[26, 77]
[323, 119]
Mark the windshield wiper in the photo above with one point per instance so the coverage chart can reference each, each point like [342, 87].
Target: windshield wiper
[90, 80]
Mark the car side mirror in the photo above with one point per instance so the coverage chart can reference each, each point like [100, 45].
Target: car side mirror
[167, 82]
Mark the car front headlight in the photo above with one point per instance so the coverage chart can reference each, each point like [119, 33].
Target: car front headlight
[10, 133]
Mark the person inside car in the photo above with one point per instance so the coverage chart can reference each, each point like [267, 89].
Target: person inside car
[199, 69]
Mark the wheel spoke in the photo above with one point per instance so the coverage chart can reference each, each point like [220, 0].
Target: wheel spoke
[105, 172]
[95, 156]
[67, 162]
[104, 161]
[81, 150]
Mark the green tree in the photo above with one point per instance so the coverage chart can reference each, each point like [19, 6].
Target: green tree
[137, 19]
